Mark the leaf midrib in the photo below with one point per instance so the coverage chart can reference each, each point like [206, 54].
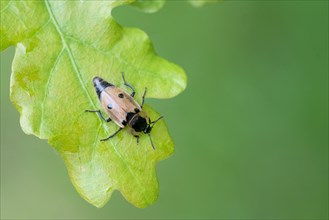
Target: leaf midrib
[78, 74]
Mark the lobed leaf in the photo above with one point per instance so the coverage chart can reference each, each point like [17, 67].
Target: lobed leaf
[60, 47]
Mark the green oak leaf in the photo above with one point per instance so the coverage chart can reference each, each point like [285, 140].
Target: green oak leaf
[60, 47]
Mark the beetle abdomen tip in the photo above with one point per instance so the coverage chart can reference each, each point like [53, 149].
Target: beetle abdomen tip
[97, 80]
[100, 85]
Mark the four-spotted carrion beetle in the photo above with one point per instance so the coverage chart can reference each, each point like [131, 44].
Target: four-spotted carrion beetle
[123, 109]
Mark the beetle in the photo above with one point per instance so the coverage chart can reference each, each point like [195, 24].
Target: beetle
[123, 109]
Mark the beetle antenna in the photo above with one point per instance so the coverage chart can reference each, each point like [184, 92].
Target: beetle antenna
[151, 141]
[153, 122]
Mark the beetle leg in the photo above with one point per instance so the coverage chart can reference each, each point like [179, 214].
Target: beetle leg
[99, 115]
[127, 84]
[111, 136]
[153, 122]
[137, 139]
[143, 97]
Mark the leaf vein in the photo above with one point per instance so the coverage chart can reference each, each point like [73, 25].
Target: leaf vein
[109, 53]
[39, 29]
[47, 89]
[60, 32]
[7, 6]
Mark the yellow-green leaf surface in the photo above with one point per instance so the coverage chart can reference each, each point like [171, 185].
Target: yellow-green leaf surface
[60, 47]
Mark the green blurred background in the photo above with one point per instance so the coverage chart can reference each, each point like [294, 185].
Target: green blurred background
[251, 130]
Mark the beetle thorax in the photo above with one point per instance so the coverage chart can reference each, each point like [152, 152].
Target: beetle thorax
[138, 122]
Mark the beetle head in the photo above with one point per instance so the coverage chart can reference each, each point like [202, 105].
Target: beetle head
[149, 127]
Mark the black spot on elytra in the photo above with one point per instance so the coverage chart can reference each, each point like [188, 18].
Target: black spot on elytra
[109, 106]
[120, 95]
[124, 122]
